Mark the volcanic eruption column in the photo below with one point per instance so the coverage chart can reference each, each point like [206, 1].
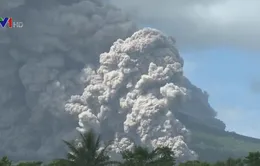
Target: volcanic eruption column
[132, 96]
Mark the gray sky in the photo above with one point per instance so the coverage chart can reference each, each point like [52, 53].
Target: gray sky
[201, 23]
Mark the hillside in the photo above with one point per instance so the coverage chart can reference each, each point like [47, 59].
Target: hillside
[207, 140]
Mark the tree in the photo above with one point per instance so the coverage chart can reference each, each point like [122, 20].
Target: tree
[86, 153]
[165, 156]
[239, 162]
[140, 156]
[253, 159]
[5, 161]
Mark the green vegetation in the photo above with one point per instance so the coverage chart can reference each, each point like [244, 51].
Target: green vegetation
[88, 152]
[222, 146]
[207, 140]
[141, 156]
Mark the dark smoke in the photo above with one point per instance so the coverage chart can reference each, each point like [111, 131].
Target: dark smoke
[59, 53]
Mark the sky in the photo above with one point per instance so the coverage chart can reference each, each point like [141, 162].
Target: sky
[220, 43]
[227, 75]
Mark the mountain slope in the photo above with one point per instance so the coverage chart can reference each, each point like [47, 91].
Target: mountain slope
[213, 144]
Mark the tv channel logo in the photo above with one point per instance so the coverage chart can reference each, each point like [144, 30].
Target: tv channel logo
[9, 23]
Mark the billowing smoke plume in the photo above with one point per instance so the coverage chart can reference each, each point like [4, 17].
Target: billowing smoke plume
[132, 95]
[40, 66]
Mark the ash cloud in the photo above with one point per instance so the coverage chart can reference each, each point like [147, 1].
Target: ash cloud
[40, 68]
[66, 49]
[134, 94]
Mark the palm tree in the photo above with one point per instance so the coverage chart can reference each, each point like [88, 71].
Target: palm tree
[140, 156]
[88, 153]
